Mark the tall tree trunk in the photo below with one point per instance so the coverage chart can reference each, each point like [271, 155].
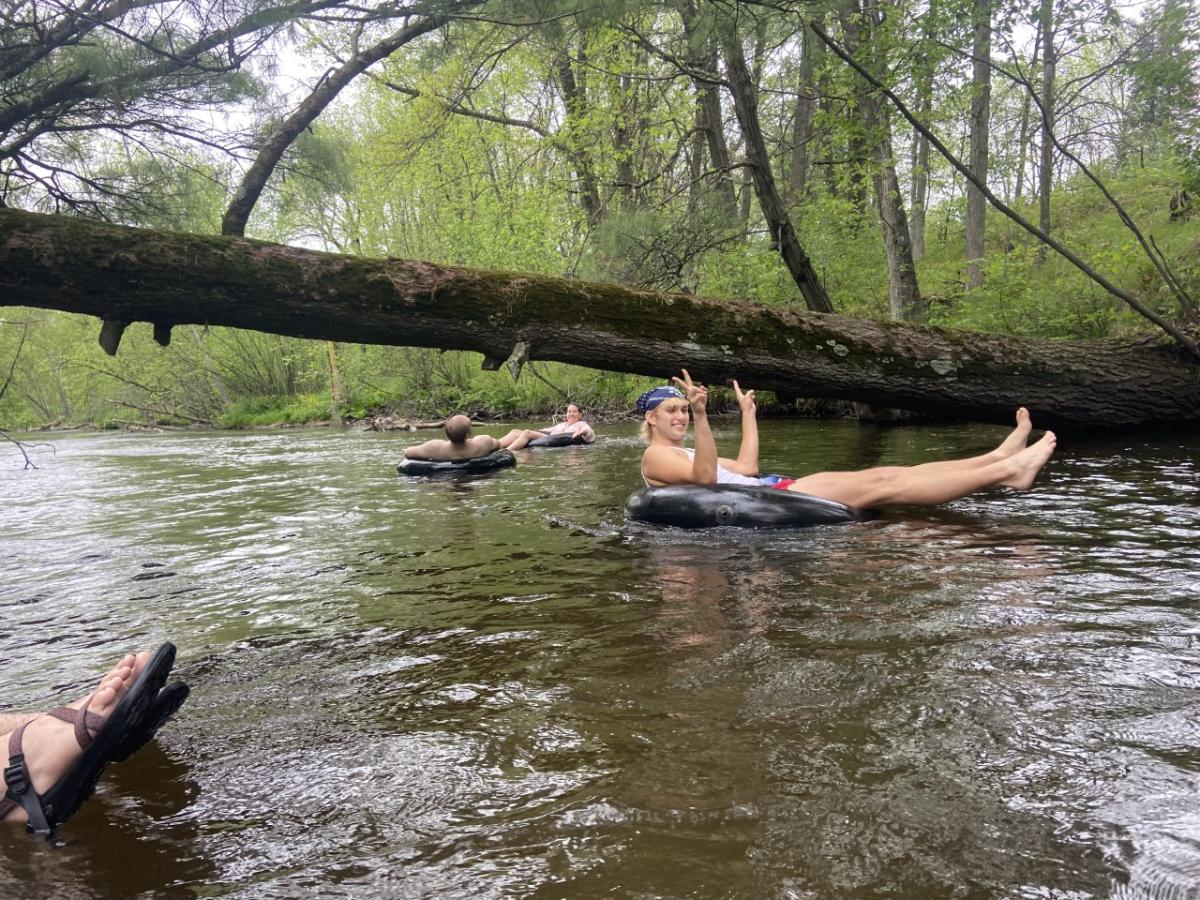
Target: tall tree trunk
[923, 87]
[980, 117]
[125, 275]
[336, 398]
[624, 140]
[709, 115]
[575, 104]
[1046, 168]
[1026, 131]
[714, 130]
[783, 235]
[802, 121]
[745, 195]
[904, 296]
[697, 157]
[851, 16]
[1022, 149]
[919, 192]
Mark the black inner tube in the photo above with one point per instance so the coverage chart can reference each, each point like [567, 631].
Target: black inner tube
[556, 440]
[711, 506]
[501, 459]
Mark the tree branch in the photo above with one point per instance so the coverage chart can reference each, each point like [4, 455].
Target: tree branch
[255, 179]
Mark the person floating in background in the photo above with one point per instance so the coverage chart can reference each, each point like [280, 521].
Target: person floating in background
[458, 445]
[666, 461]
[572, 424]
[51, 762]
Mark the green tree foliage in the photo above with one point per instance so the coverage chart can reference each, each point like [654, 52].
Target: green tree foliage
[1165, 83]
[1164, 101]
[84, 84]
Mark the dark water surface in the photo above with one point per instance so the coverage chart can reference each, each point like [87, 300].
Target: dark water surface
[499, 688]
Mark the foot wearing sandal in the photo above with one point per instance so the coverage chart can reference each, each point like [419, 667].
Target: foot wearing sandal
[10, 722]
[49, 744]
[51, 764]
[165, 705]
[162, 707]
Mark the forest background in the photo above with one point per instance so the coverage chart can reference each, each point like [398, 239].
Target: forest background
[671, 145]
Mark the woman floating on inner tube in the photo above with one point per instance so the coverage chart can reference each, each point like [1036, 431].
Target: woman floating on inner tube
[667, 461]
[572, 425]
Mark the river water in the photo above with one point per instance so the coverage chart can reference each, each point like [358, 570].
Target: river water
[500, 688]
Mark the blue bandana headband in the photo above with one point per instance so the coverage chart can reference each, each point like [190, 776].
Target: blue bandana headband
[655, 396]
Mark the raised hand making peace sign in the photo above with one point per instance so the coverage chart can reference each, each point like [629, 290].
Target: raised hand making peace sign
[697, 394]
[745, 399]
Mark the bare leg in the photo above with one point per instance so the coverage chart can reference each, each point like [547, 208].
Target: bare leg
[1015, 442]
[49, 744]
[13, 721]
[518, 438]
[135, 664]
[510, 437]
[1010, 446]
[930, 483]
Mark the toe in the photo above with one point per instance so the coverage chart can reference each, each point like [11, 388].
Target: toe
[139, 663]
[105, 698]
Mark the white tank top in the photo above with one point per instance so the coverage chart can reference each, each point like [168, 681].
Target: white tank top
[724, 475]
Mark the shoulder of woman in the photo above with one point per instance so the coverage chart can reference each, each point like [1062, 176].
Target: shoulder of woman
[658, 451]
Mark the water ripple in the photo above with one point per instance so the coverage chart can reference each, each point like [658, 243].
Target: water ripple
[498, 687]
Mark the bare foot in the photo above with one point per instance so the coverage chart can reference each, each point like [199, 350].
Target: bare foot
[1030, 461]
[129, 668]
[49, 744]
[1015, 442]
[133, 666]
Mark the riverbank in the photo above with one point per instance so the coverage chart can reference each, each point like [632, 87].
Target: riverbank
[389, 418]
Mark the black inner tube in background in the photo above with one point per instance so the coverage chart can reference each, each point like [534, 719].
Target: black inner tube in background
[556, 440]
[501, 459]
[711, 506]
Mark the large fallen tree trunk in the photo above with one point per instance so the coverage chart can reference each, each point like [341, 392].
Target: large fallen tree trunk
[124, 275]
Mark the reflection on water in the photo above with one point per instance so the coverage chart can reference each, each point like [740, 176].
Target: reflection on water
[498, 687]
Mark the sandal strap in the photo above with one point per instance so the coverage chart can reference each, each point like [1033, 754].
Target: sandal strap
[20, 786]
[8, 804]
[87, 724]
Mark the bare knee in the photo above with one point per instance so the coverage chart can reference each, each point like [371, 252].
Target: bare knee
[878, 485]
[884, 477]
[864, 488]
